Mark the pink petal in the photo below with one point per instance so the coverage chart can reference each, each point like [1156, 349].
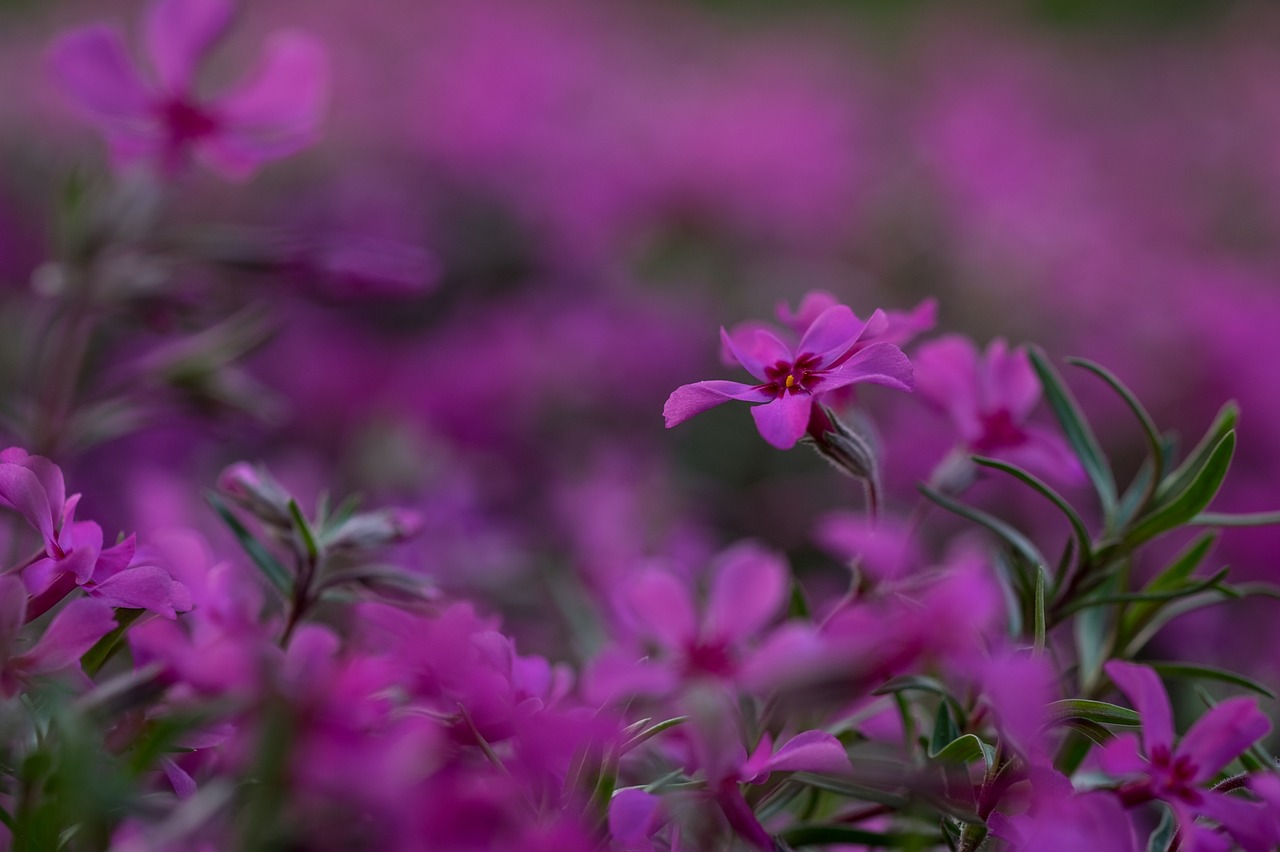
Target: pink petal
[662, 607]
[73, 631]
[179, 33]
[784, 421]
[145, 587]
[831, 335]
[276, 112]
[879, 364]
[903, 326]
[743, 338]
[756, 349]
[115, 559]
[49, 474]
[1146, 693]
[1122, 756]
[1252, 824]
[94, 68]
[811, 751]
[21, 490]
[1007, 381]
[810, 308]
[749, 587]
[946, 374]
[1221, 734]
[1046, 454]
[633, 816]
[618, 675]
[696, 398]
[184, 786]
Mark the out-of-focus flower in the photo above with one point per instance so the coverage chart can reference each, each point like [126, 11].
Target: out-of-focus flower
[1060, 818]
[827, 358]
[161, 120]
[73, 631]
[1175, 774]
[989, 398]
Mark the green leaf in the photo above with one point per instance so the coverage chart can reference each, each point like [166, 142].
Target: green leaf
[965, 749]
[271, 568]
[1019, 542]
[1077, 430]
[1177, 507]
[1250, 519]
[303, 526]
[1093, 711]
[1094, 633]
[1162, 834]
[650, 733]
[798, 604]
[1149, 430]
[850, 789]
[1092, 730]
[1214, 582]
[96, 657]
[944, 730]
[1173, 577]
[1179, 669]
[1078, 527]
[1039, 629]
[1187, 472]
[822, 834]
[1172, 610]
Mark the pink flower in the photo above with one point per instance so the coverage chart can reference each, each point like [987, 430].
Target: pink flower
[828, 357]
[989, 398]
[161, 120]
[70, 634]
[1176, 774]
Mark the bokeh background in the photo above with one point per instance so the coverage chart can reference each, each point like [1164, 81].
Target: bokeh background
[526, 221]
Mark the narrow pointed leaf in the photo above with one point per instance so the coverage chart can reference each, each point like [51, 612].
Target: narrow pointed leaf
[1178, 507]
[1179, 669]
[1077, 430]
[271, 568]
[1073, 517]
[1093, 711]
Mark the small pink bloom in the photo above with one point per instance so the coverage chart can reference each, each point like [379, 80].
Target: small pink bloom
[71, 633]
[160, 119]
[989, 398]
[1177, 774]
[827, 358]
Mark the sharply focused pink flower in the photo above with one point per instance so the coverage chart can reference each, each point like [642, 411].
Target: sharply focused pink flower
[1177, 774]
[162, 120]
[827, 358]
[988, 398]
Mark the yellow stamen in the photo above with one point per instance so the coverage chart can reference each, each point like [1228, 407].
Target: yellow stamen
[791, 381]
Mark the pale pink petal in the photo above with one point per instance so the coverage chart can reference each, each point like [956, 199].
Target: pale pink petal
[831, 335]
[811, 751]
[184, 786]
[94, 68]
[757, 349]
[145, 587]
[73, 631]
[946, 374]
[1122, 756]
[743, 337]
[115, 559]
[696, 398]
[273, 114]
[662, 607]
[810, 308]
[903, 326]
[1007, 381]
[83, 542]
[748, 589]
[1221, 734]
[1252, 824]
[1146, 693]
[783, 421]
[633, 816]
[20, 489]
[879, 364]
[49, 474]
[179, 33]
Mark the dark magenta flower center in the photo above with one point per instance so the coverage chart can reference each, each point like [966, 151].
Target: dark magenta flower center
[999, 430]
[709, 659]
[185, 121]
[795, 377]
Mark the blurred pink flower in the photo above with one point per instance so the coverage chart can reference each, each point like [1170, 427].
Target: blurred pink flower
[828, 357]
[989, 398]
[162, 120]
[70, 634]
[1175, 774]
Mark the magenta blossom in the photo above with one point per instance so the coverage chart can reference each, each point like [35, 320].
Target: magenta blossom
[162, 120]
[1178, 774]
[71, 633]
[827, 358]
[988, 398]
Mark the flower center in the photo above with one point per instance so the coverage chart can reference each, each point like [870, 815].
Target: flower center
[998, 431]
[797, 377]
[185, 121]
